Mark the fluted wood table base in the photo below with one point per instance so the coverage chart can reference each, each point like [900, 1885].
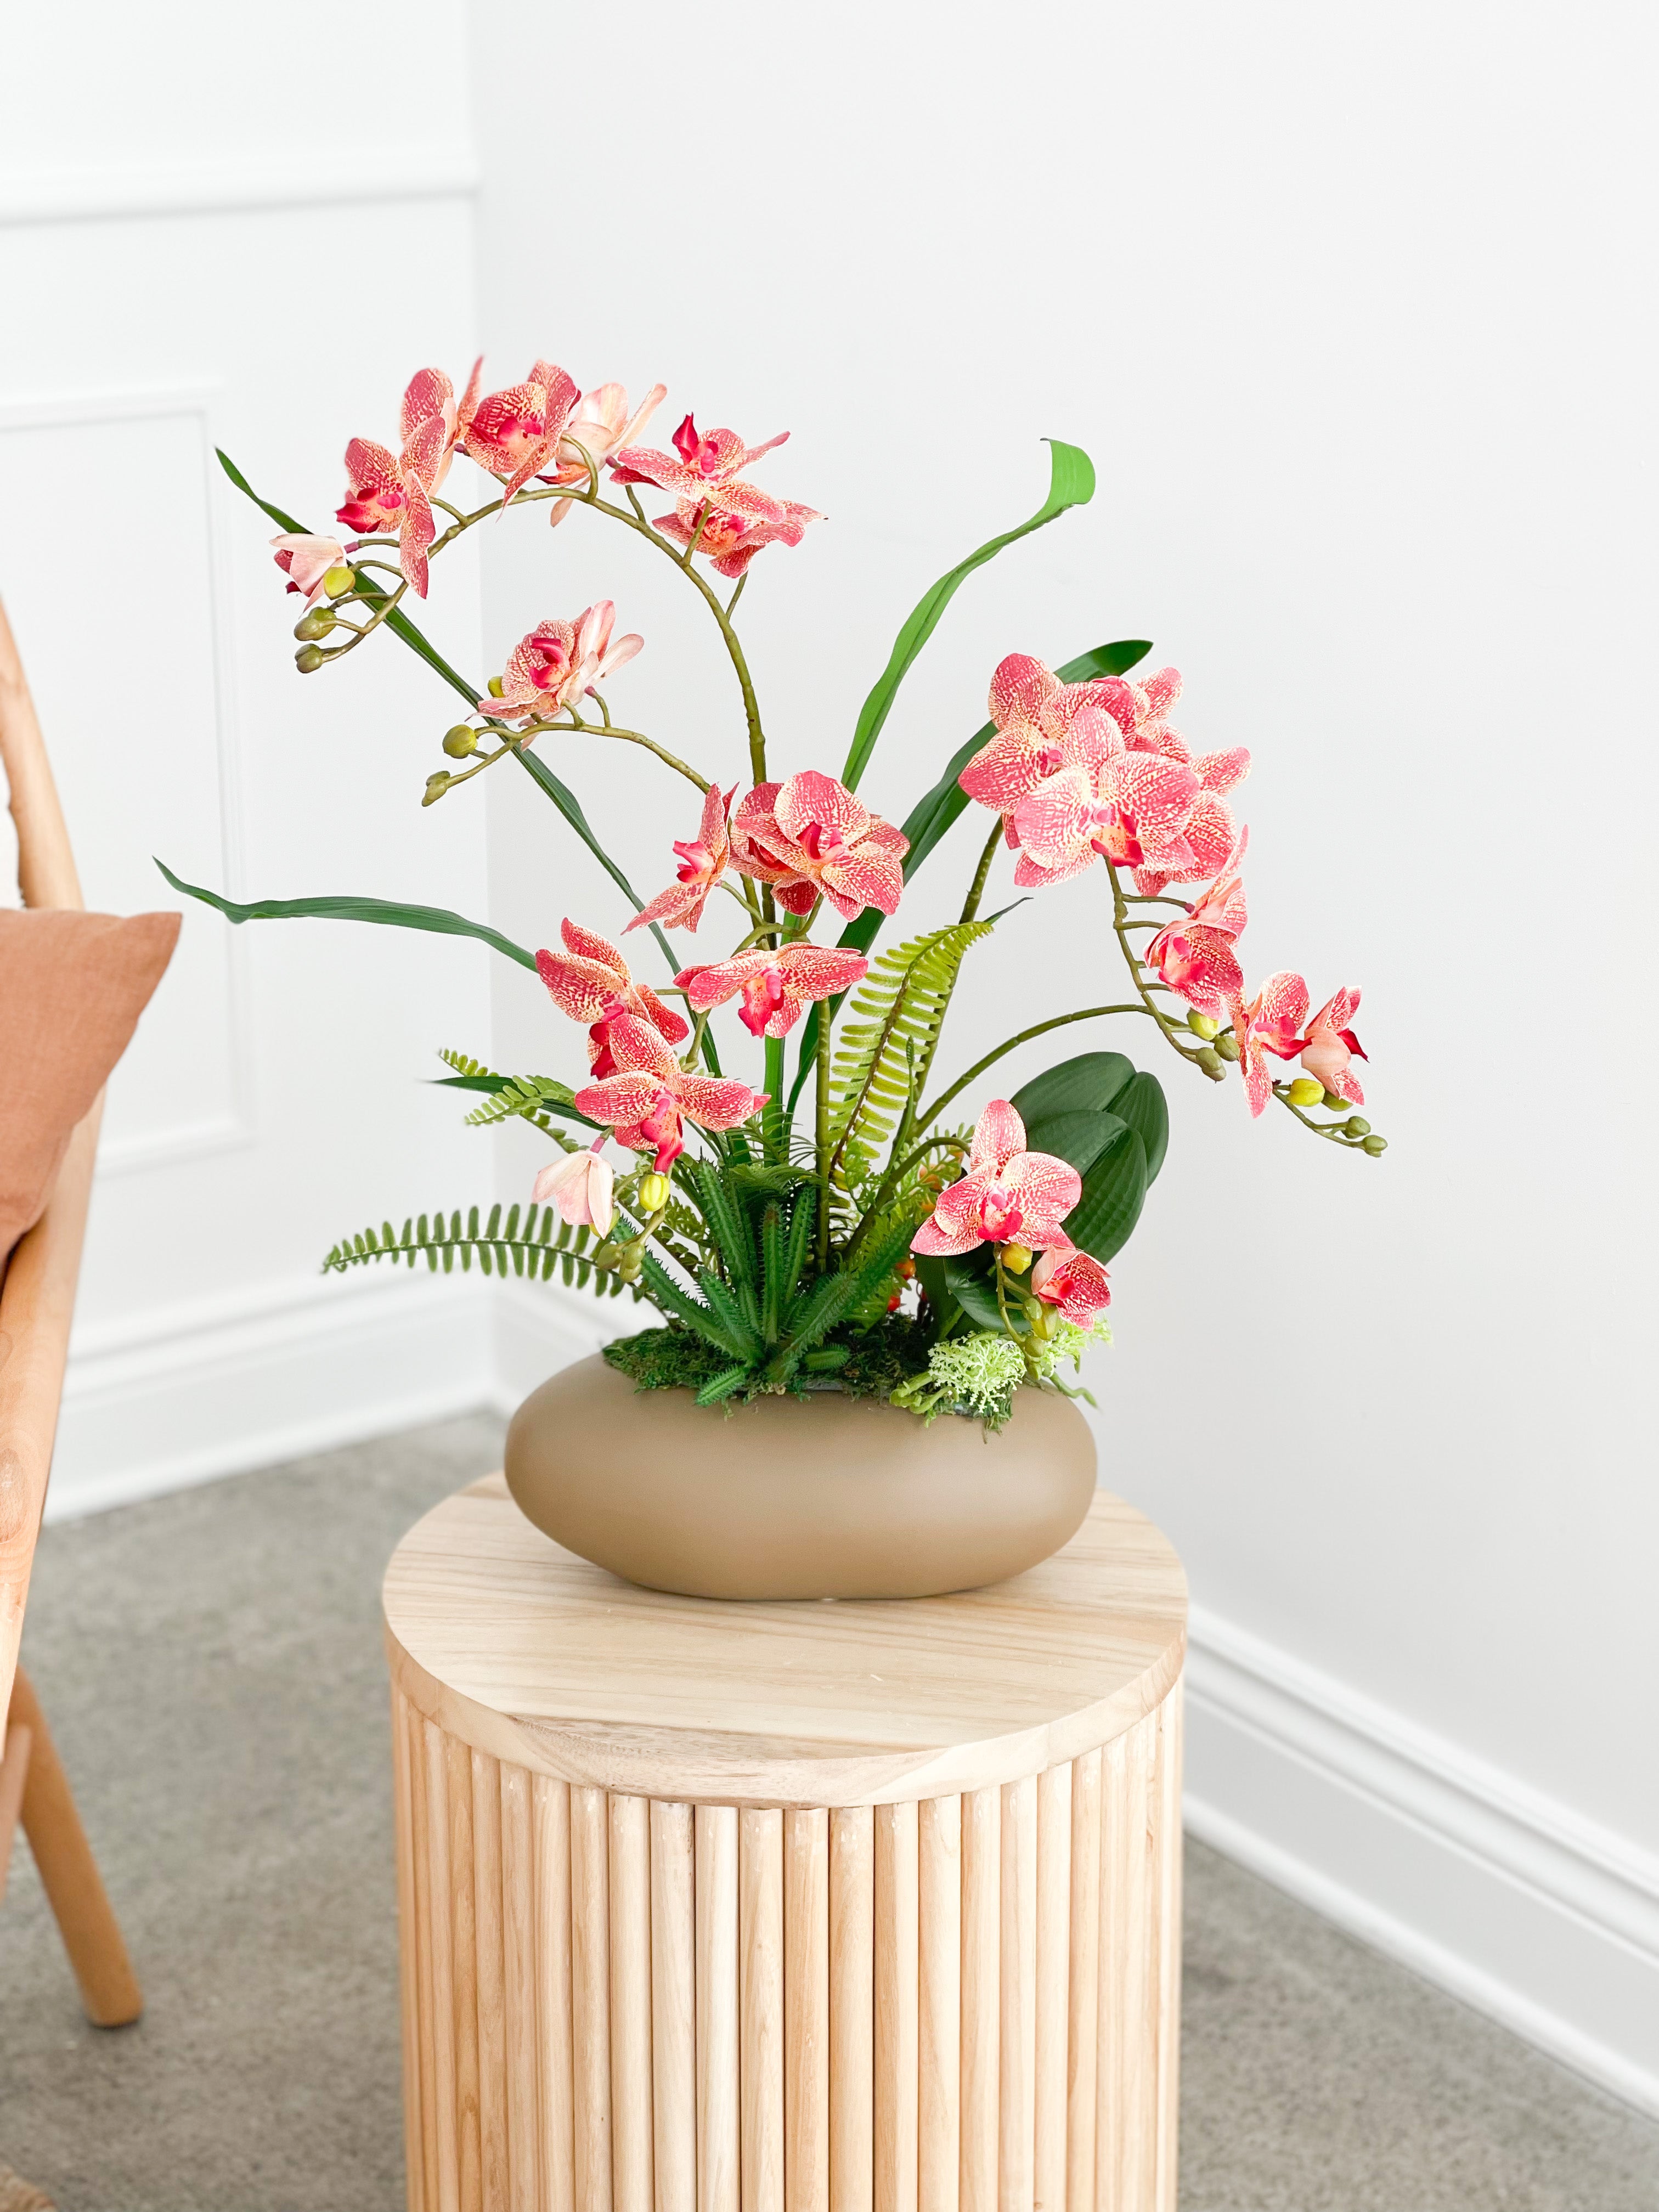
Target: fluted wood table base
[620, 2002]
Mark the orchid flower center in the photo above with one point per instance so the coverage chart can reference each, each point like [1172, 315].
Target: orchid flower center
[763, 994]
[999, 1213]
[821, 842]
[695, 862]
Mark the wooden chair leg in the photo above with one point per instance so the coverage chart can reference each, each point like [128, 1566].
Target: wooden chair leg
[14, 1772]
[70, 1876]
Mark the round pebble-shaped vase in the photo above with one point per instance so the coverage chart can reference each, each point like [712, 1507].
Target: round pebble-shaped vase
[821, 1496]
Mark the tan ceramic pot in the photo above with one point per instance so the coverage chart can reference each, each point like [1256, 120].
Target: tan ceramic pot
[790, 1497]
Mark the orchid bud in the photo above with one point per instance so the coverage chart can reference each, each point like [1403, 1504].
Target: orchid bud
[1357, 1125]
[308, 659]
[1203, 1025]
[1016, 1258]
[653, 1193]
[1227, 1046]
[1210, 1060]
[1044, 1319]
[318, 624]
[338, 581]
[495, 687]
[461, 741]
[1332, 1100]
[630, 1263]
[1306, 1090]
[435, 787]
[1376, 1146]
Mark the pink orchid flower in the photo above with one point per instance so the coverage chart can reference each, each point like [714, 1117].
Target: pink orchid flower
[1331, 1045]
[514, 434]
[1128, 808]
[811, 838]
[388, 492]
[305, 561]
[599, 427]
[1270, 1023]
[776, 987]
[1142, 712]
[552, 668]
[590, 982]
[1041, 725]
[1007, 1194]
[649, 1097]
[702, 863]
[580, 1186]
[1194, 954]
[737, 518]
[1074, 1281]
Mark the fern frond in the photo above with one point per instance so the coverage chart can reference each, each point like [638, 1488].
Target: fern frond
[532, 1096]
[886, 1045]
[464, 1065]
[529, 1242]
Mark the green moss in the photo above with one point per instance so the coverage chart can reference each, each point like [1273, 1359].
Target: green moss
[876, 1361]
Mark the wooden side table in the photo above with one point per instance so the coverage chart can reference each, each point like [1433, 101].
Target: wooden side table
[829, 1907]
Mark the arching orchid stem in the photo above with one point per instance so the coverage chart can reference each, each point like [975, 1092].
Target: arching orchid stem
[1136, 971]
[1024, 1036]
[448, 508]
[695, 539]
[731, 604]
[1145, 898]
[976, 889]
[630, 738]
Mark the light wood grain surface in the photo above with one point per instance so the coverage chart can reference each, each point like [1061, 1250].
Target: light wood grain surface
[533, 1655]
[653, 1999]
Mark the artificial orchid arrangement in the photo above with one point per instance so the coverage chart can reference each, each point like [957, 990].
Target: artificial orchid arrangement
[858, 1237]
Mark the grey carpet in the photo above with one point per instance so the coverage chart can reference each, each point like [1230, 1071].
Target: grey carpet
[211, 1665]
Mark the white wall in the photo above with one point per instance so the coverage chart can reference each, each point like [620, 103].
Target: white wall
[216, 238]
[1350, 309]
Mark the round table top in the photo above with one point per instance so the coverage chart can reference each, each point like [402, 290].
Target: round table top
[534, 1655]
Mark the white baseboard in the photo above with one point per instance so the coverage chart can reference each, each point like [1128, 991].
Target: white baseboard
[191, 1391]
[1502, 1896]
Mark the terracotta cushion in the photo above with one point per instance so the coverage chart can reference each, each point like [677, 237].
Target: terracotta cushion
[72, 986]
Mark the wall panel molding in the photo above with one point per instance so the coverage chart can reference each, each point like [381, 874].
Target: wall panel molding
[192, 403]
[122, 191]
[1507, 1898]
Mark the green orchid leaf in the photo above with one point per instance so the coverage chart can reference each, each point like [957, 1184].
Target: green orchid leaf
[1087, 1084]
[972, 1281]
[569, 805]
[436, 918]
[1142, 1104]
[1070, 484]
[930, 1273]
[1077, 1138]
[396, 622]
[1113, 1191]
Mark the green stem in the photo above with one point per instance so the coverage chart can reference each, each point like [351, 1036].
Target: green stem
[1024, 1036]
[771, 1113]
[976, 889]
[1137, 975]
[823, 1134]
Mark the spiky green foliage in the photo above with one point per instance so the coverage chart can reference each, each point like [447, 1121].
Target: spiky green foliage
[858, 1364]
[530, 1241]
[754, 1305]
[888, 1039]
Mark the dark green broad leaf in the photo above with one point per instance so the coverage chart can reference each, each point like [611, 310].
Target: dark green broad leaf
[1142, 1105]
[1070, 484]
[1086, 1084]
[1113, 1191]
[1079, 1139]
[972, 1281]
[930, 1273]
[436, 918]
